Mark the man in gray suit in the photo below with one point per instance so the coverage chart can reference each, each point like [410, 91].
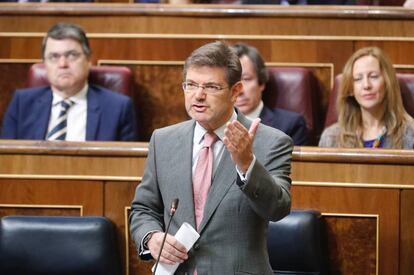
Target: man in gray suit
[250, 182]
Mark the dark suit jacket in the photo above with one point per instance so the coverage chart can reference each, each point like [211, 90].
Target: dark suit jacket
[291, 123]
[110, 116]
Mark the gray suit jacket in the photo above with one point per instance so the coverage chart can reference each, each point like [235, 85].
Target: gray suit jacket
[233, 232]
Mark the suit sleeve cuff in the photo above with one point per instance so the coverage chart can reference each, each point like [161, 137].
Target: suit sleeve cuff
[244, 178]
[144, 252]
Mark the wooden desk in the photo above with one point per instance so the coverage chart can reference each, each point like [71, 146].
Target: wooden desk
[366, 196]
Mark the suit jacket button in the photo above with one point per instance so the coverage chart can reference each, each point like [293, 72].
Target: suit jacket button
[196, 246]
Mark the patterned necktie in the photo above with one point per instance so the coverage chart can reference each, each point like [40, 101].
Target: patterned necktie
[203, 175]
[58, 132]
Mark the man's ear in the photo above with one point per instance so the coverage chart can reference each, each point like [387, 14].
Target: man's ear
[236, 90]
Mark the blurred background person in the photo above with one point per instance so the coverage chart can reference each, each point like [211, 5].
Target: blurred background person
[70, 108]
[370, 109]
[249, 101]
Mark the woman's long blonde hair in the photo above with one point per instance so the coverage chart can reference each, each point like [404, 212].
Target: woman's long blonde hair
[395, 117]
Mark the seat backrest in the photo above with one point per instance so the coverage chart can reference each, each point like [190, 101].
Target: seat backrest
[115, 78]
[296, 90]
[58, 245]
[297, 244]
[406, 81]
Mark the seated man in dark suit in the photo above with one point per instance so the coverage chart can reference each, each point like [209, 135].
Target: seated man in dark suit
[249, 101]
[70, 108]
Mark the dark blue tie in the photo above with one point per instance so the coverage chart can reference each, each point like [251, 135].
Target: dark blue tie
[58, 132]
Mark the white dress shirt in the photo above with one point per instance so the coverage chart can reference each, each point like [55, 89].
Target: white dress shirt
[256, 112]
[77, 113]
[218, 148]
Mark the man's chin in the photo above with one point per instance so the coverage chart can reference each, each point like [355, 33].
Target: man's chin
[64, 85]
[200, 117]
[67, 89]
[242, 108]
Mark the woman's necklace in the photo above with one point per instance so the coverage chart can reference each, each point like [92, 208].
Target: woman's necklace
[380, 137]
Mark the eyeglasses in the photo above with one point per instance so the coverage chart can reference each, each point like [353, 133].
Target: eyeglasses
[190, 87]
[70, 56]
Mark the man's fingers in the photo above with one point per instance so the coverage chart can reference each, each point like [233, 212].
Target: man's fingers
[172, 252]
[176, 244]
[253, 127]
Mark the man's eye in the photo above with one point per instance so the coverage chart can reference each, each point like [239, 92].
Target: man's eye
[212, 87]
[191, 86]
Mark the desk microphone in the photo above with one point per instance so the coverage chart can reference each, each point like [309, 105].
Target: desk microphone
[174, 206]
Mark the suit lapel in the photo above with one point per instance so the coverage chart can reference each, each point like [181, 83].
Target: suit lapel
[181, 165]
[41, 112]
[93, 114]
[225, 177]
[222, 181]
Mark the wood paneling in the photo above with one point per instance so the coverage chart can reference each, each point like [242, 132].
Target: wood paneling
[117, 200]
[355, 239]
[356, 201]
[39, 210]
[63, 193]
[407, 232]
[159, 97]
[218, 19]
[366, 196]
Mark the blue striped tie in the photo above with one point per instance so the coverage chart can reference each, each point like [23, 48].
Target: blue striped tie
[58, 132]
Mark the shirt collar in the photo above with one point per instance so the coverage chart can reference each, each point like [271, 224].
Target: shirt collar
[77, 98]
[199, 131]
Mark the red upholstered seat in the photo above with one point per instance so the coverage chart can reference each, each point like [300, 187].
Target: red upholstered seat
[297, 90]
[407, 92]
[116, 78]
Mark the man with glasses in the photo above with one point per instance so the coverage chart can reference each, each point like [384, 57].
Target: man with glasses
[70, 108]
[231, 176]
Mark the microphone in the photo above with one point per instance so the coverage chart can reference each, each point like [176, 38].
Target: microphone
[174, 206]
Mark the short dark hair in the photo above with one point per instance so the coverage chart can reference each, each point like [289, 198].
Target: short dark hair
[253, 54]
[216, 54]
[62, 31]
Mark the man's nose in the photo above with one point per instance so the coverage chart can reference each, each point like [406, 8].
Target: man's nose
[200, 93]
[63, 61]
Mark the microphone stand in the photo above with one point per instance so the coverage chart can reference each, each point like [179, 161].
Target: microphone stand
[174, 206]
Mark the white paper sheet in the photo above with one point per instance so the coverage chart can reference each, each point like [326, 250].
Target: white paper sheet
[186, 235]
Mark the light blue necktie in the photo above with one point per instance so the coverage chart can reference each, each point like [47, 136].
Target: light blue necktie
[58, 132]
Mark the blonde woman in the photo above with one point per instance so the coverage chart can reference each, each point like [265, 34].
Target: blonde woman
[369, 104]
